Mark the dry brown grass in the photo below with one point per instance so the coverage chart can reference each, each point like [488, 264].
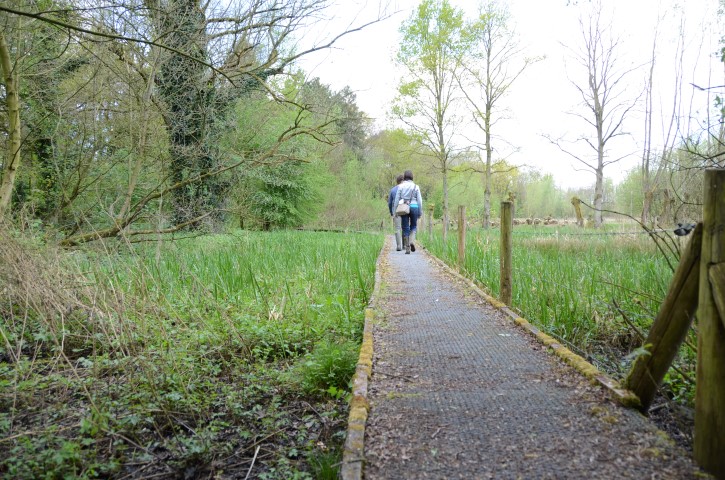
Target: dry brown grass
[47, 306]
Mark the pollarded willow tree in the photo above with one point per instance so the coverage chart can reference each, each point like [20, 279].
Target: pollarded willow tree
[430, 53]
[492, 66]
[604, 97]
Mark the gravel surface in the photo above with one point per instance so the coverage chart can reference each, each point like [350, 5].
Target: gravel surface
[458, 391]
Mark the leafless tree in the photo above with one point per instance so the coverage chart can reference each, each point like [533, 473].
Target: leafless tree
[653, 167]
[604, 97]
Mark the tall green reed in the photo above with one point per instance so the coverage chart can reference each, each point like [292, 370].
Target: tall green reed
[565, 282]
[278, 292]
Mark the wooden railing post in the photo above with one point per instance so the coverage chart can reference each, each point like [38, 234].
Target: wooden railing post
[429, 225]
[670, 327]
[507, 225]
[461, 236]
[709, 445]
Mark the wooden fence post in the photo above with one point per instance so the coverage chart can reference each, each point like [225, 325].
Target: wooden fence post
[461, 236]
[709, 444]
[670, 327]
[507, 225]
[429, 225]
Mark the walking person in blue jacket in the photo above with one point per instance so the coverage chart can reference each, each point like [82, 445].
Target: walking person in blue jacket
[409, 193]
[396, 219]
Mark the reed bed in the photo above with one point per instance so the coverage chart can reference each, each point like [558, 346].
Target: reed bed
[184, 358]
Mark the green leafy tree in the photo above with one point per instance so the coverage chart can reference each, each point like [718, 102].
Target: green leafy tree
[286, 188]
[541, 198]
[430, 53]
[184, 63]
[490, 69]
[284, 195]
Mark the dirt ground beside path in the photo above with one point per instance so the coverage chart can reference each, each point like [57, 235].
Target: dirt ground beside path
[458, 391]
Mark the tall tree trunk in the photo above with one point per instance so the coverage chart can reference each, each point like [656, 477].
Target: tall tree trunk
[487, 201]
[598, 197]
[443, 159]
[668, 207]
[144, 121]
[188, 98]
[12, 153]
[487, 186]
[445, 205]
[647, 206]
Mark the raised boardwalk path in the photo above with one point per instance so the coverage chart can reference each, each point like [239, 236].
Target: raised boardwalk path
[458, 390]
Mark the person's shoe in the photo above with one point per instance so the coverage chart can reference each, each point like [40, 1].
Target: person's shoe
[406, 243]
[411, 241]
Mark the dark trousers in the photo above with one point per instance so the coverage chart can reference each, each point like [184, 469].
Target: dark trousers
[410, 222]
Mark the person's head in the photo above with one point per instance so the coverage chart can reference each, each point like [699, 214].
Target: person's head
[398, 179]
[408, 175]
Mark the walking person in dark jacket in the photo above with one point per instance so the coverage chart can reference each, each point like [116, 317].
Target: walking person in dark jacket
[396, 218]
[409, 193]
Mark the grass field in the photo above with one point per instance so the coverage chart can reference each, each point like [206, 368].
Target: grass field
[216, 355]
[590, 289]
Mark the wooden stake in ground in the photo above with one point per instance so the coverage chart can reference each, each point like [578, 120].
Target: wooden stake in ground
[461, 236]
[507, 225]
[710, 390]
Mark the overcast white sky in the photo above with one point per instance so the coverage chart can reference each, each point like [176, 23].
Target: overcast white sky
[539, 101]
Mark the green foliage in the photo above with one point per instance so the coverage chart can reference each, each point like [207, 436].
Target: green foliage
[206, 348]
[284, 195]
[304, 176]
[538, 197]
[329, 367]
[432, 36]
[326, 464]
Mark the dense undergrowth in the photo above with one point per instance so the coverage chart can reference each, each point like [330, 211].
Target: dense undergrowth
[597, 291]
[210, 357]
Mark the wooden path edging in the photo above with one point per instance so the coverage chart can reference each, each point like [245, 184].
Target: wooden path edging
[621, 395]
[354, 448]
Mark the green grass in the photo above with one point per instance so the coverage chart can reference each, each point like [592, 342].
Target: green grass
[568, 283]
[187, 357]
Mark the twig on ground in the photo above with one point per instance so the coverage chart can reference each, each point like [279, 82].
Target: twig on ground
[256, 452]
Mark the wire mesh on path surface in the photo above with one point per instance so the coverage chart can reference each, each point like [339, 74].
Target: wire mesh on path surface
[458, 391]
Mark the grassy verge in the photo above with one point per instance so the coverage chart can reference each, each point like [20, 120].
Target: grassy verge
[212, 357]
[594, 292]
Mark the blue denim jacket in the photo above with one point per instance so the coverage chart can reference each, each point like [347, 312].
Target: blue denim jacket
[391, 198]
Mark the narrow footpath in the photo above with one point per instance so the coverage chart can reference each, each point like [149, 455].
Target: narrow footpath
[458, 390]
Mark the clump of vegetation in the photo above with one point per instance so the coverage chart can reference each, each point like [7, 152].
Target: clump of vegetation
[188, 368]
[329, 367]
